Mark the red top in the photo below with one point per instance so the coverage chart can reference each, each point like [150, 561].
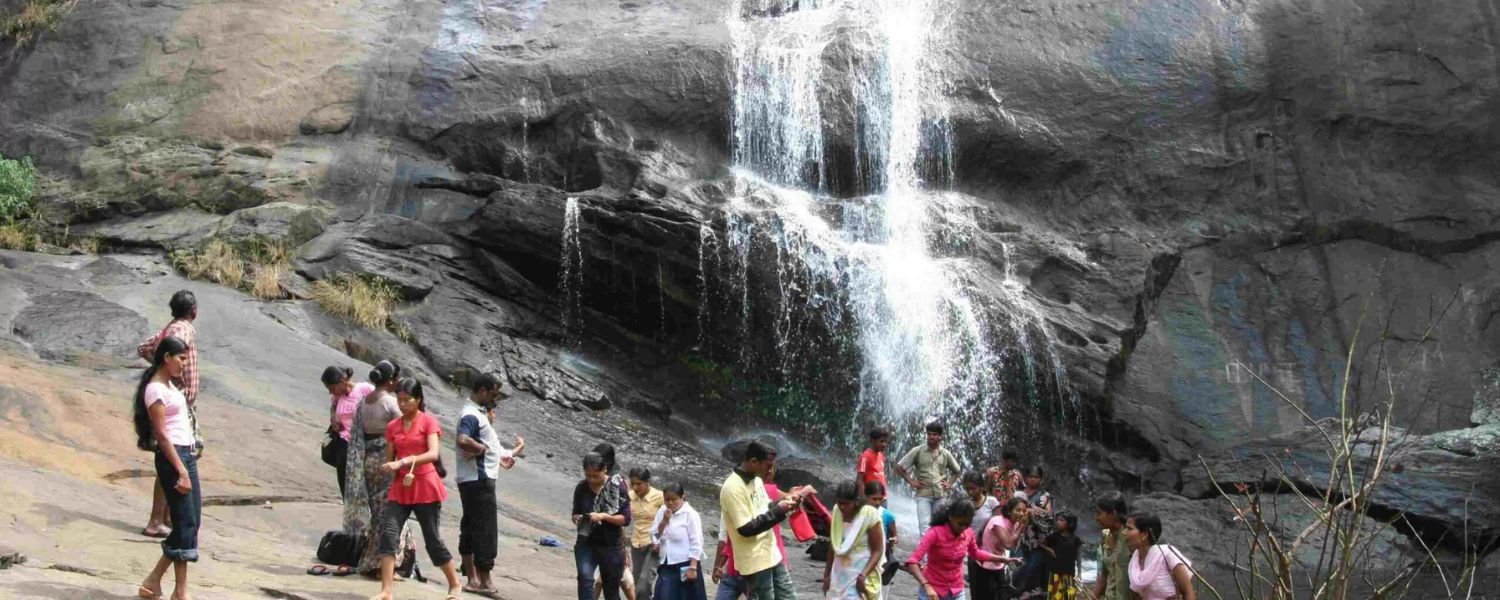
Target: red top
[871, 468]
[428, 487]
[945, 554]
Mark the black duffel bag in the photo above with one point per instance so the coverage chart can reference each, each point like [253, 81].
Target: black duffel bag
[335, 449]
[339, 548]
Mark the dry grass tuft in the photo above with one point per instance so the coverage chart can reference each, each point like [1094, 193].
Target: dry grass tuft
[35, 17]
[16, 236]
[265, 281]
[88, 245]
[364, 301]
[217, 262]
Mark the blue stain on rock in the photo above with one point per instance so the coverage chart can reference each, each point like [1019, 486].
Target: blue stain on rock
[1141, 52]
[1199, 392]
[1315, 399]
[460, 31]
[1227, 302]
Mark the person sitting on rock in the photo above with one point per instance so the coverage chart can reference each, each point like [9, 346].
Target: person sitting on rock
[184, 307]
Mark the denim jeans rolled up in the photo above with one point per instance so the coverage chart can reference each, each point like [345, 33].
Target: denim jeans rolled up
[186, 509]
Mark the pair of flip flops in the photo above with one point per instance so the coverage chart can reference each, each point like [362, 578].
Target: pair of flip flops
[338, 571]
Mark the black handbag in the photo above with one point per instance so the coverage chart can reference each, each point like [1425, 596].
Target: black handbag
[339, 548]
[335, 448]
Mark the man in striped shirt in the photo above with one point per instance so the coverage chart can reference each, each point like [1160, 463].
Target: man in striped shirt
[184, 310]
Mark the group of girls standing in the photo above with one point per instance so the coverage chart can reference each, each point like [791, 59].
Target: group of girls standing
[602, 509]
[392, 471]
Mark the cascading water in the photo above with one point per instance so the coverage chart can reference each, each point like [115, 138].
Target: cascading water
[570, 279]
[861, 272]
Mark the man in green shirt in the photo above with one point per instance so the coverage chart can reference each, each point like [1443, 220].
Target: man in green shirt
[749, 515]
[931, 471]
[1114, 555]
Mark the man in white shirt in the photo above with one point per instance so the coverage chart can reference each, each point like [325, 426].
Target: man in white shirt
[481, 455]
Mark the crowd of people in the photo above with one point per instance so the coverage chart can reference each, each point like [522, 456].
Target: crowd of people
[984, 534]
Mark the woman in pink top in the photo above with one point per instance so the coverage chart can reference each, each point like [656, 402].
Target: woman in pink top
[945, 546]
[162, 426]
[411, 451]
[344, 397]
[1157, 571]
[1001, 534]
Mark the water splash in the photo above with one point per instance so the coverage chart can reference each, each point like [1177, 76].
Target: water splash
[863, 270]
[570, 280]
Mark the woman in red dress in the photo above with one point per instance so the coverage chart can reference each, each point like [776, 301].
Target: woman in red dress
[411, 453]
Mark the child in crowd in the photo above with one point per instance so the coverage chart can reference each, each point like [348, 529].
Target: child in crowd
[871, 467]
[1062, 558]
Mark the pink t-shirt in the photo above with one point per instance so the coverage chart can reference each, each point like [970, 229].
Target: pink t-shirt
[344, 407]
[1154, 580]
[179, 425]
[945, 554]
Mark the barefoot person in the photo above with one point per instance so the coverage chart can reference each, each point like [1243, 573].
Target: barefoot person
[184, 311]
[162, 425]
[948, 540]
[411, 453]
[482, 456]
[368, 484]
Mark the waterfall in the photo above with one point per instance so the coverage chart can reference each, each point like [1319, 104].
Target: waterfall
[570, 279]
[861, 270]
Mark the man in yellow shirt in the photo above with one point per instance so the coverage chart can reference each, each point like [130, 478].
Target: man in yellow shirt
[644, 502]
[749, 514]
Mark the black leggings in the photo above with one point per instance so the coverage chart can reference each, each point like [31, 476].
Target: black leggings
[427, 517]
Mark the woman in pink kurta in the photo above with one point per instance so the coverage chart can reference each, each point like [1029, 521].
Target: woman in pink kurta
[945, 546]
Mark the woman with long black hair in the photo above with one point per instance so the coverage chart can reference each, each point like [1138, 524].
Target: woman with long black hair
[366, 485]
[412, 448]
[163, 426]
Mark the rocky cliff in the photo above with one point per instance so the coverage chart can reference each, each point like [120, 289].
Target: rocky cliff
[1214, 205]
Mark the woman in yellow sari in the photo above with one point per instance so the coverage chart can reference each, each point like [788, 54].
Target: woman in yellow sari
[857, 538]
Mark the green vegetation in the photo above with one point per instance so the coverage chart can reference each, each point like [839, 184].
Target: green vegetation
[17, 187]
[35, 17]
[788, 404]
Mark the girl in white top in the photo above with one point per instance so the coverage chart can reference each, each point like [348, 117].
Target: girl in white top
[677, 533]
[1157, 571]
[162, 426]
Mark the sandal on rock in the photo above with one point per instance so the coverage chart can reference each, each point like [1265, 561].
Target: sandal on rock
[318, 570]
[342, 571]
[147, 593]
[159, 533]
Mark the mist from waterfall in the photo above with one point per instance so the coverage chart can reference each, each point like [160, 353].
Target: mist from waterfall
[877, 271]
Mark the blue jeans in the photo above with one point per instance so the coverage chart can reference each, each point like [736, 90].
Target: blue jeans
[922, 595]
[731, 587]
[611, 564]
[186, 509]
[924, 514]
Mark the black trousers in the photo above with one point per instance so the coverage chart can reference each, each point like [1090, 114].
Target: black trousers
[479, 529]
[427, 517]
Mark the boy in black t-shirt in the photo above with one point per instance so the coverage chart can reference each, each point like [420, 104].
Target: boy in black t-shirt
[1062, 548]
